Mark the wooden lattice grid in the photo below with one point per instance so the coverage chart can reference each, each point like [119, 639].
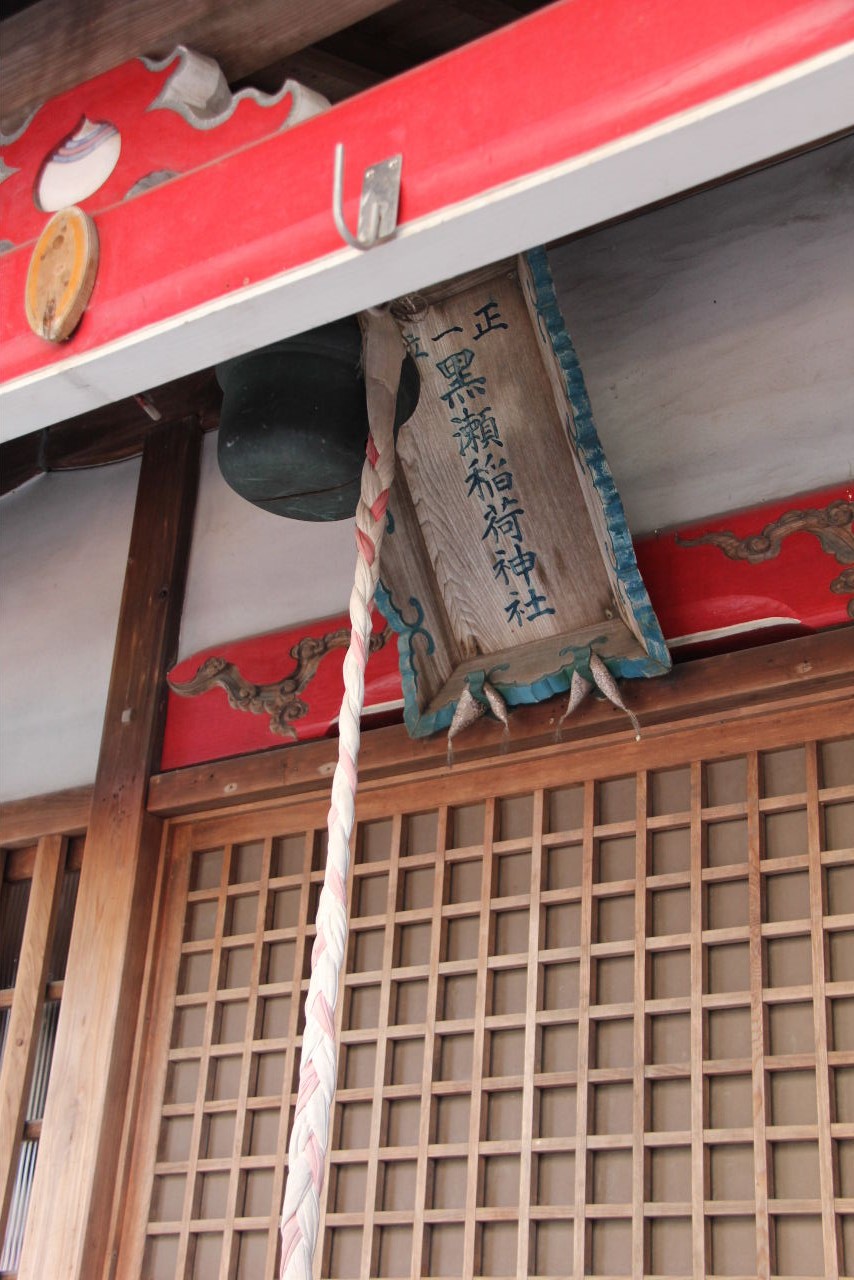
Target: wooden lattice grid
[501, 1108]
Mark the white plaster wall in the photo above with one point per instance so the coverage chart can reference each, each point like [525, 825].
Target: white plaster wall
[252, 572]
[716, 336]
[63, 549]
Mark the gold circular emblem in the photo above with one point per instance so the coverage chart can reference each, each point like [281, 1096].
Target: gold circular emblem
[61, 274]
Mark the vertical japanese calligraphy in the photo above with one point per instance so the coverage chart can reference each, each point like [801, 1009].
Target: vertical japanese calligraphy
[487, 472]
[511, 545]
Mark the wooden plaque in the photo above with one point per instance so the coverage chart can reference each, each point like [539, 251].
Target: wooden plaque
[509, 556]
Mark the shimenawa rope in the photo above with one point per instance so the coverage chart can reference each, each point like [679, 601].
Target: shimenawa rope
[383, 355]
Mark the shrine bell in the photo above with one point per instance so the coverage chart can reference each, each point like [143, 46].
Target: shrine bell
[294, 422]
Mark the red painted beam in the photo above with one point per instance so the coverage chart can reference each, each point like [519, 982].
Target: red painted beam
[782, 569]
[576, 77]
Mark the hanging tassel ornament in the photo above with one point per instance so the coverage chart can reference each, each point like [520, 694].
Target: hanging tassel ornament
[606, 683]
[497, 705]
[467, 711]
[579, 688]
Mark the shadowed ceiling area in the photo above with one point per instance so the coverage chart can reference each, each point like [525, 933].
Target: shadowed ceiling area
[339, 49]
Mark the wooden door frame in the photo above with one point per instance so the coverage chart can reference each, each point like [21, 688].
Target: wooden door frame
[786, 694]
[716, 706]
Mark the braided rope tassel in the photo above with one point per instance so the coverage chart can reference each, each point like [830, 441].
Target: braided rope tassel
[383, 353]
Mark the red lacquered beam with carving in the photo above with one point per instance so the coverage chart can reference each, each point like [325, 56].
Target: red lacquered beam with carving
[779, 570]
[272, 689]
[774, 571]
[578, 113]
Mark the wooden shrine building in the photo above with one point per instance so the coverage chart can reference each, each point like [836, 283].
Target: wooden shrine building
[596, 1016]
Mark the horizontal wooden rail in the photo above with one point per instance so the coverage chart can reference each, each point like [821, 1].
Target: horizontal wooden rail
[59, 813]
[819, 668]
[803, 673]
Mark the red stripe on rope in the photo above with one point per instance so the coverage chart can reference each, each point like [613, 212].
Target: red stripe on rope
[314, 1153]
[378, 509]
[366, 546]
[307, 1086]
[291, 1237]
[324, 1015]
[336, 884]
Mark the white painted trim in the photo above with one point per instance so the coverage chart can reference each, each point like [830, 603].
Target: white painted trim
[736, 629]
[794, 108]
[376, 709]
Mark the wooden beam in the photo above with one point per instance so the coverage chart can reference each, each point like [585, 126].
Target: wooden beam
[25, 1019]
[642, 1100]
[59, 813]
[758, 1025]
[119, 431]
[53, 45]
[820, 668]
[334, 77]
[581, 1237]
[74, 1183]
[20, 460]
[111, 434]
[384, 58]
[822, 1015]
[20, 863]
[600, 127]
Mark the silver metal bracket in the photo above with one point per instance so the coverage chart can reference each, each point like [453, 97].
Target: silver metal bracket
[378, 205]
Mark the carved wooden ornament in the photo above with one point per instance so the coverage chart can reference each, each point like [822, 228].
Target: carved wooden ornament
[61, 274]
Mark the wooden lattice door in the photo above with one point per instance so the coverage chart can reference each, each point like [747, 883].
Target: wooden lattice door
[590, 1025]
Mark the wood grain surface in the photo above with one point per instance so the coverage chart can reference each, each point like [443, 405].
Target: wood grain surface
[520, 435]
[561, 1011]
[60, 813]
[52, 46]
[61, 274]
[70, 1209]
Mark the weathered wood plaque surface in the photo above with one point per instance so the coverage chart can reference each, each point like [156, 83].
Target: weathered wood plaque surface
[509, 556]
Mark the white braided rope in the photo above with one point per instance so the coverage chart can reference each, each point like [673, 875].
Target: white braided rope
[383, 354]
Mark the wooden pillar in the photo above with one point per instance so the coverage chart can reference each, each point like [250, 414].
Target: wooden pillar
[19, 1054]
[68, 1227]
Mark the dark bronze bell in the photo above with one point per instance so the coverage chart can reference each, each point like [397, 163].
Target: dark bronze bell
[294, 422]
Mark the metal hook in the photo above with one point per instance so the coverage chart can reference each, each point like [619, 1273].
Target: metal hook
[378, 205]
